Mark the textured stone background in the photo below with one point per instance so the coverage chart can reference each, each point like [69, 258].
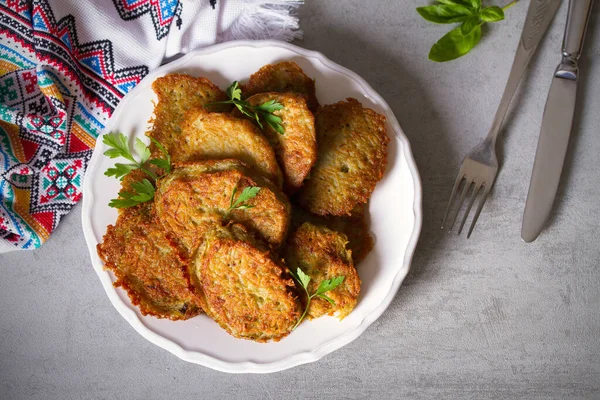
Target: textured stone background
[490, 317]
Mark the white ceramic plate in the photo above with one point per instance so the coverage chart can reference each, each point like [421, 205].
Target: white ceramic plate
[395, 213]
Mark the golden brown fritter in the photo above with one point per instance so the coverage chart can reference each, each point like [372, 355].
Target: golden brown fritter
[177, 94]
[296, 149]
[245, 290]
[352, 152]
[216, 136]
[196, 196]
[321, 254]
[354, 226]
[282, 77]
[148, 266]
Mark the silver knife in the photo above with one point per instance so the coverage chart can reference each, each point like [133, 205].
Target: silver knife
[556, 124]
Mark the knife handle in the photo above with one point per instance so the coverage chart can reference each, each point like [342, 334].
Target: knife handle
[577, 21]
[539, 16]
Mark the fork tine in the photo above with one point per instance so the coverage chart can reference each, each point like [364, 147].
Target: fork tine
[459, 179]
[460, 202]
[479, 207]
[474, 194]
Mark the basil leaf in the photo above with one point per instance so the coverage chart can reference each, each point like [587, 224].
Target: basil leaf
[476, 4]
[455, 2]
[469, 25]
[454, 44]
[445, 14]
[492, 14]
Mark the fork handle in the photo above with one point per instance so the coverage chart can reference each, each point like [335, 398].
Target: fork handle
[537, 21]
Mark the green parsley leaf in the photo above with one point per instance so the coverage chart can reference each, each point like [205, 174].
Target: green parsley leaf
[324, 286]
[142, 150]
[325, 297]
[248, 193]
[329, 284]
[118, 146]
[120, 170]
[303, 278]
[270, 106]
[492, 14]
[164, 163]
[454, 44]
[261, 113]
[234, 92]
[143, 192]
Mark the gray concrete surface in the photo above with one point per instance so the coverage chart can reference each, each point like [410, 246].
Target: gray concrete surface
[485, 318]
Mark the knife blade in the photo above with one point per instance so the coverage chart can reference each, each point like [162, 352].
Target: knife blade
[556, 125]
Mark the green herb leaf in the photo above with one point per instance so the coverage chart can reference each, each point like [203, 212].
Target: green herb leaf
[325, 286]
[260, 113]
[248, 193]
[143, 192]
[466, 3]
[123, 201]
[454, 44]
[445, 14]
[234, 92]
[329, 284]
[120, 170]
[304, 279]
[142, 150]
[470, 24]
[492, 14]
[270, 106]
[325, 297]
[476, 4]
[118, 146]
[160, 162]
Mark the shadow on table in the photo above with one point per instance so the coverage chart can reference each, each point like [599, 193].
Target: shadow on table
[410, 100]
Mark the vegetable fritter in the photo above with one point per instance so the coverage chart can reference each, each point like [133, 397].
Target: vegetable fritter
[296, 149]
[352, 156]
[146, 264]
[321, 254]
[177, 94]
[245, 290]
[217, 136]
[197, 196]
[282, 77]
[354, 226]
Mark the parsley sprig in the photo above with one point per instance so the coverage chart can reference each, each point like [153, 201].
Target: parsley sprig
[260, 113]
[471, 14]
[248, 193]
[142, 191]
[324, 287]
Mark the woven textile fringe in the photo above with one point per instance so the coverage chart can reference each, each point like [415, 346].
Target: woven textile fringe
[266, 19]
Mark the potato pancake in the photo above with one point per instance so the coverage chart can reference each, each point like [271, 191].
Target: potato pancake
[282, 77]
[197, 196]
[352, 156]
[216, 136]
[354, 226]
[177, 94]
[321, 254]
[146, 264]
[245, 290]
[296, 149]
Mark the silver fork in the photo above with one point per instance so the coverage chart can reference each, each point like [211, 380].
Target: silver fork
[480, 166]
